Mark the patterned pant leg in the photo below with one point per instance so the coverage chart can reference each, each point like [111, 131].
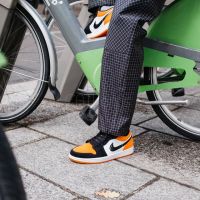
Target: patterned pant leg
[93, 5]
[122, 63]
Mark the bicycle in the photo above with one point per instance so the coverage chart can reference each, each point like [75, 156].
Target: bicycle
[11, 186]
[167, 42]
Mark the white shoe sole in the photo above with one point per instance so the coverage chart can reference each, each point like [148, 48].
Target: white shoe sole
[102, 159]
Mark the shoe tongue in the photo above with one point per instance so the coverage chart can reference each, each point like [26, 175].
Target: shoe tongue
[100, 138]
[103, 8]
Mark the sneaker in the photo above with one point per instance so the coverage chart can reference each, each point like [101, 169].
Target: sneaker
[98, 27]
[103, 148]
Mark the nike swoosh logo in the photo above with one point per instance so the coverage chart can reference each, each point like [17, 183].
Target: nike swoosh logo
[112, 148]
[96, 26]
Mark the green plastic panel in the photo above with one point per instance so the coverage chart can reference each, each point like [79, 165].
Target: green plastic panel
[178, 24]
[90, 63]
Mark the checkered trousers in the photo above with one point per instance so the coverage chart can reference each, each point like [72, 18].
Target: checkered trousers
[93, 5]
[122, 63]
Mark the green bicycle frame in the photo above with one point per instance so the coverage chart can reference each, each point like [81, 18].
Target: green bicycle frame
[178, 24]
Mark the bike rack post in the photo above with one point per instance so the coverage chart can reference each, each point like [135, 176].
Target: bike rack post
[70, 75]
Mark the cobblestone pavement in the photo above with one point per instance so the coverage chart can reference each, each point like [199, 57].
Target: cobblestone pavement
[164, 167]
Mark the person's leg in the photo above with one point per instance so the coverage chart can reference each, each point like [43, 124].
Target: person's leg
[94, 5]
[122, 63]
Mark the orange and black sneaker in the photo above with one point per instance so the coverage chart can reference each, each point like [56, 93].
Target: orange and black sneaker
[98, 27]
[103, 148]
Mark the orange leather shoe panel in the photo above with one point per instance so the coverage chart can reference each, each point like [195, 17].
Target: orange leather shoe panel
[102, 13]
[108, 19]
[130, 144]
[85, 148]
[124, 138]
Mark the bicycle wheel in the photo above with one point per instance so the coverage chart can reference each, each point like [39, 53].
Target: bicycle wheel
[184, 119]
[28, 76]
[11, 186]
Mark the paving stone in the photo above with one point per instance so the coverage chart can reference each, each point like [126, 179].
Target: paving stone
[136, 130]
[12, 126]
[48, 158]
[71, 128]
[68, 127]
[37, 188]
[194, 103]
[142, 113]
[49, 109]
[142, 96]
[187, 115]
[18, 94]
[168, 2]
[166, 190]
[20, 87]
[167, 156]
[157, 125]
[20, 136]
[192, 91]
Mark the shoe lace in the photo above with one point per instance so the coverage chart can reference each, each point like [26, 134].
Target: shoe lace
[91, 18]
[99, 139]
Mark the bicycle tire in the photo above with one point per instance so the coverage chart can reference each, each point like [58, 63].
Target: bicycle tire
[39, 96]
[11, 185]
[164, 115]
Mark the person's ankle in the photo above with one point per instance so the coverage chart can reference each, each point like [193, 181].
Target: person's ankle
[114, 134]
